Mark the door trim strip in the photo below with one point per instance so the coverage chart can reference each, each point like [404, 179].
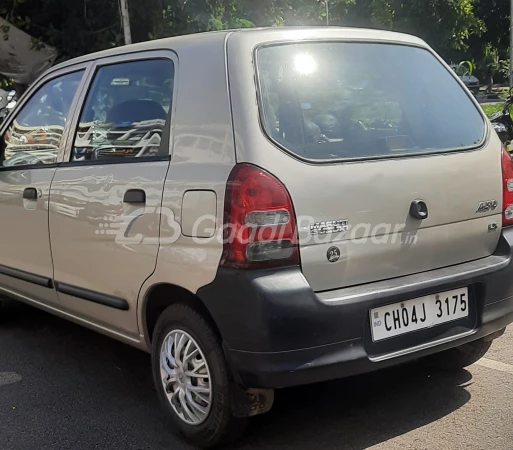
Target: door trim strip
[127, 339]
[92, 296]
[26, 276]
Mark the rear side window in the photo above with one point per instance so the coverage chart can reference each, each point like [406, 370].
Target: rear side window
[125, 112]
[325, 101]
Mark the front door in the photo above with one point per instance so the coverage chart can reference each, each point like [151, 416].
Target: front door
[105, 201]
[29, 154]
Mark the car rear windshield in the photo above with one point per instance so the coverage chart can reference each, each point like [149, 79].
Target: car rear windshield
[328, 100]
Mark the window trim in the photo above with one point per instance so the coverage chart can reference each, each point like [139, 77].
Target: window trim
[29, 167]
[115, 160]
[261, 120]
[28, 95]
[96, 65]
[96, 162]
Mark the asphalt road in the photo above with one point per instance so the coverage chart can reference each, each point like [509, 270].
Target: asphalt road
[63, 387]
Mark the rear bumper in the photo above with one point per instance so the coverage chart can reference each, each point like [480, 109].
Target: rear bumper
[278, 332]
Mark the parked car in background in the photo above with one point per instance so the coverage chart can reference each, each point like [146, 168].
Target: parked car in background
[468, 79]
[260, 209]
[7, 103]
[3, 99]
[503, 124]
[471, 82]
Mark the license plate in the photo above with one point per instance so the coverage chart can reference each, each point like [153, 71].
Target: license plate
[418, 313]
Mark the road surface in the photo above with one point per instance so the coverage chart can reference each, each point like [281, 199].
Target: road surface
[63, 387]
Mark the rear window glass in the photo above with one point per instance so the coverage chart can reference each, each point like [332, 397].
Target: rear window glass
[327, 101]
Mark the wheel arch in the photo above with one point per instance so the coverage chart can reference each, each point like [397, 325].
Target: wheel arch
[161, 295]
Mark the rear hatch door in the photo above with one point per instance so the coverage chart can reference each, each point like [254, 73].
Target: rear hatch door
[389, 162]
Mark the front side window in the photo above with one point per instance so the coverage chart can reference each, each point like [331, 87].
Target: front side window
[325, 101]
[125, 112]
[35, 134]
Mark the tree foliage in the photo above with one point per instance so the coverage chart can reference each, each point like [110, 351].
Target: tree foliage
[76, 27]
[445, 24]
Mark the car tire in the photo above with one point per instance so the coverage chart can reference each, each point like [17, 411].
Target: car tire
[218, 426]
[459, 357]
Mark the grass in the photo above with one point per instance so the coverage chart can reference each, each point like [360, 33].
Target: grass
[490, 108]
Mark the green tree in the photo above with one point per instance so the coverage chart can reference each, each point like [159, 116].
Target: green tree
[495, 16]
[492, 47]
[444, 24]
[72, 27]
[83, 26]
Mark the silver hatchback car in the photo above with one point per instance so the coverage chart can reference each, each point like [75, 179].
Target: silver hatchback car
[260, 209]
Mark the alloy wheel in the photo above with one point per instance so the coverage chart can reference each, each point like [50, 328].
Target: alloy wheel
[186, 377]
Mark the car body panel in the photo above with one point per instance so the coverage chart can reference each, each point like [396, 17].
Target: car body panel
[25, 239]
[202, 157]
[123, 238]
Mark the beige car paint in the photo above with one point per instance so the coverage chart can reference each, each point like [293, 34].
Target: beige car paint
[108, 229]
[24, 239]
[199, 214]
[202, 158]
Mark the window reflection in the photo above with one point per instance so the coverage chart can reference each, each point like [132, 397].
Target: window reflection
[327, 101]
[35, 133]
[125, 111]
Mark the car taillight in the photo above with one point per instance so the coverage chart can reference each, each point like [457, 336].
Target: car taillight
[507, 188]
[259, 221]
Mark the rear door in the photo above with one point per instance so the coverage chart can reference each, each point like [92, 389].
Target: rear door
[105, 199]
[385, 155]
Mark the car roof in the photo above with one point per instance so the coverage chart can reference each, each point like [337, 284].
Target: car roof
[179, 43]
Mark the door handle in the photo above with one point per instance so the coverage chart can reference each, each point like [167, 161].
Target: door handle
[135, 196]
[419, 209]
[30, 193]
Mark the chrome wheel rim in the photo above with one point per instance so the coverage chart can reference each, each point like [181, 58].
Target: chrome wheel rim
[185, 377]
